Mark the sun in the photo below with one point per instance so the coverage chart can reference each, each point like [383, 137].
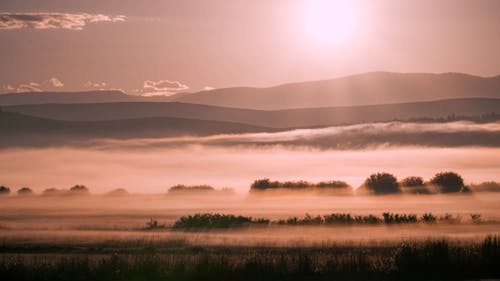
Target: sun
[330, 22]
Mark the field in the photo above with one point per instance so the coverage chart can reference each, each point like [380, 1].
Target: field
[48, 238]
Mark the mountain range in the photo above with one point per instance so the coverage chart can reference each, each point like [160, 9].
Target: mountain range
[361, 89]
[54, 117]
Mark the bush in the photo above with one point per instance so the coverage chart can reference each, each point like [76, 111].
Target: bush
[25, 191]
[390, 218]
[490, 186]
[4, 190]
[412, 181]
[79, 190]
[263, 184]
[428, 218]
[448, 182]
[382, 183]
[119, 192]
[192, 188]
[52, 192]
[200, 221]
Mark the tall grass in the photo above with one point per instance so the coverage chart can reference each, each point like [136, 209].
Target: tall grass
[418, 260]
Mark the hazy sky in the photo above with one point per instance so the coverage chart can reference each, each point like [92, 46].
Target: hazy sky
[159, 46]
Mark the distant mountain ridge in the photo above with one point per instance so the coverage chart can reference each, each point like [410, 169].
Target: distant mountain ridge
[73, 97]
[354, 90]
[361, 89]
[290, 118]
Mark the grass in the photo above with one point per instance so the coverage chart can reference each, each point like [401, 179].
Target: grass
[211, 221]
[417, 260]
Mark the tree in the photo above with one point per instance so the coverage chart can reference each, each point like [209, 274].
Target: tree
[261, 184]
[412, 181]
[79, 190]
[52, 192]
[25, 191]
[382, 183]
[119, 192]
[448, 182]
[4, 190]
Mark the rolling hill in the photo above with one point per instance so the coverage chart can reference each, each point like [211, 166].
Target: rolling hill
[73, 97]
[20, 129]
[362, 89]
[291, 118]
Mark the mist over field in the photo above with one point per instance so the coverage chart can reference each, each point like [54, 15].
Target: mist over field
[154, 170]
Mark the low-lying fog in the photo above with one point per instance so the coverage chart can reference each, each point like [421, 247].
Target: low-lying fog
[154, 170]
[99, 219]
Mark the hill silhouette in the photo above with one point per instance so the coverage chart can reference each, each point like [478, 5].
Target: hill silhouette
[360, 89]
[73, 97]
[20, 129]
[291, 118]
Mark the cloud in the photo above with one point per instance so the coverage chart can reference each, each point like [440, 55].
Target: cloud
[54, 82]
[8, 88]
[53, 20]
[162, 88]
[97, 85]
[49, 84]
[30, 87]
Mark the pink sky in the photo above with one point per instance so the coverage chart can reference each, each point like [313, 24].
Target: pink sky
[220, 43]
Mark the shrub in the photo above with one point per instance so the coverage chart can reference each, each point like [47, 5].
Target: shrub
[200, 221]
[382, 183]
[25, 191]
[490, 186]
[192, 188]
[390, 218]
[412, 181]
[52, 192]
[119, 192]
[428, 218]
[332, 184]
[448, 182]
[79, 190]
[263, 184]
[4, 190]
[476, 218]
[153, 224]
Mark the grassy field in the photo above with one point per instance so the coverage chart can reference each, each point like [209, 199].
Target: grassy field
[176, 260]
[250, 238]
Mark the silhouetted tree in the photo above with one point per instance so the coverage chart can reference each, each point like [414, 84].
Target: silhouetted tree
[25, 191]
[119, 192]
[412, 181]
[382, 183]
[448, 182]
[261, 184]
[79, 190]
[4, 190]
[52, 192]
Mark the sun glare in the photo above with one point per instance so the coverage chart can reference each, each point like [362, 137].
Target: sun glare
[330, 22]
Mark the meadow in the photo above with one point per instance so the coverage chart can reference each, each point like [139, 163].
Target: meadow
[290, 230]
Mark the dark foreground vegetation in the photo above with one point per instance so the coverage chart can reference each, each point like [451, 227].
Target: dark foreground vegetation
[414, 260]
[211, 221]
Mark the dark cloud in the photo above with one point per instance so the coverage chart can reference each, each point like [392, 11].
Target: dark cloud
[53, 20]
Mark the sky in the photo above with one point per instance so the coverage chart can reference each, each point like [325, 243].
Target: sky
[160, 47]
